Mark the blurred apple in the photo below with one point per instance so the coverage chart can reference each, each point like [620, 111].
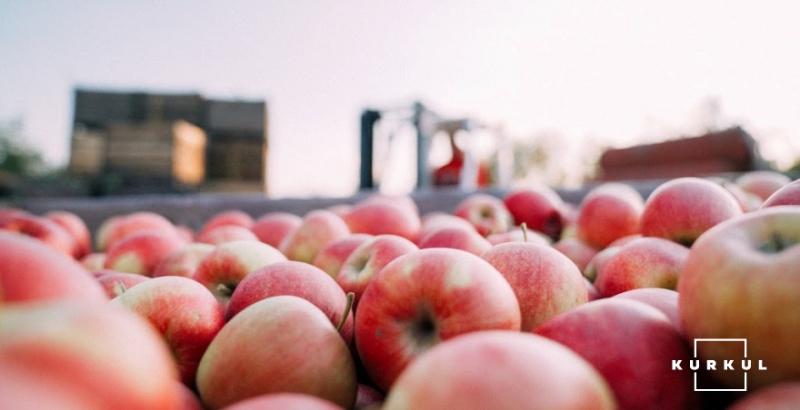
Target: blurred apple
[331, 258]
[272, 227]
[607, 213]
[319, 228]
[465, 239]
[762, 183]
[642, 263]
[486, 213]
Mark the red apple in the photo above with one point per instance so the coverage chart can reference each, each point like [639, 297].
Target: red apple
[601, 258]
[499, 370]
[282, 344]
[424, 297]
[368, 398]
[540, 209]
[76, 228]
[142, 252]
[295, 279]
[272, 227]
[788, 195]
[31, 271]
[368, 259]
[664, 300]
[116, 283]
[682, 209]
[231, 217]
[632, 345]
[185, 232]
[284, 401]
[591, 291]
[783, 396]
[332, 257]
[517, 235]
[434, 221]
[94, 261]
[319, 228]
[742, 280]
[456, 238]
[222, 270]
[642, 263]
[184, 261]
[42, 229]
[545, 282]
[185, 313]
[486, 213]
[226, 233]
[118, 228]
[747, 201]
[762, 183]
[384, 216]
[609, 212]
[577, 251]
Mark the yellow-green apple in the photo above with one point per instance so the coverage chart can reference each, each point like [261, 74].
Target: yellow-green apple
[540, 208]
[76, 228]
[788, 195]
[742, 280]
[782, 396]
[577, 251]
[682, 209]
[222, 270]
[71, 355]
[42, 229]
[517, 235]
[141, 252]
[295, 279]
[332, 257]
[607, 213]
[545, 282]
[368, 259]
[183, 261]
[499, 370]
[665, 300]
[381, 216]
[116, 283]
[272, 227]
[232, 217]
[226, 233]
[94, 261]
[465, 239]
[319, 228]
[117, 228]
[486, 213]
[642, 263]
[762, 183]
[184, 312]
[282, 344]
[284, 401]
[31, 270]
[632, 345]
[368, 398]
[425, 297]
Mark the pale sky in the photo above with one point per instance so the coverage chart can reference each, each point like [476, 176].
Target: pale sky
[619, 71]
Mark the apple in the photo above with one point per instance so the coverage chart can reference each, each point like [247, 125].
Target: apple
[577, 251]
[118, 228]
[282, 344]
[32, 271]
[76, 228]
[295, 279]
[94, 261]
[517, 235]
[185, 313]
[642, 263]
[486, 213]
[222, 270]
[499, 370]
[185, 232]
[116, 283]
[601, 258]
[341, 209]
[381, 216]
[272, 227]
[682, 209]
[284, 401]
[183, 261]
[544, 281]
[368, 259]
[591, 291]
[742, 280]
[226, 233]
[632, 345]
[142, 252]
[747, 201]
[788, 195]
[762, 183]
[541, 209]
[42, 229]
[232, 217]
[189, 400]
[422, 298]
[368, 398]
[782, 396]
[665, 300]
[434, 221]
[319, 228]
[72, 355]
[464, 239]
[331, 258]
[607, 213]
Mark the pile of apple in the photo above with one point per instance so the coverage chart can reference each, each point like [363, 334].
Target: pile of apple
[524, 302]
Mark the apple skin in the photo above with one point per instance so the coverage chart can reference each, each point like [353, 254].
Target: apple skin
[782, 396]
[665, 300]
[33, 271]
[788, 195]
[424, 297]
[516, 235]
[682, 209]
[642, 263]
[463, 239]
[601, 258]
[272, 227]
[742, 280]
[499, 370]
[183, 311]
[747, 201]
[591, 291]
[41, 229]
[232, 217]
[295, 279]
[434, 221]
[72, 355]
[76, 228]
[183, 261]
[382, 216]
[762, 183]
[94, 261]
[577, 251]
[115, 283]
[607, 213]
[368, 398]
[544, 281]
[331, 258]
[142, 252]
[226, 233]
[632, 345]
[486, 213]
[118, 228]
[273, 342]
[368, 259]
[222, 270]
[541, 209]
[186, 233]
[284, 401]
[319, 228]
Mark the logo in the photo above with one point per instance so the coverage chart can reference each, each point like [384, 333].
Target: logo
[743, 364]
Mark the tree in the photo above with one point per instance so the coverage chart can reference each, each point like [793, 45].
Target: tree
[15, 157]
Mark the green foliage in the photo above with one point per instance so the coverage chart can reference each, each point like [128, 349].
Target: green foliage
[15, 157]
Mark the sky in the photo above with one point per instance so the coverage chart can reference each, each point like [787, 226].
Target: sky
[616, 72]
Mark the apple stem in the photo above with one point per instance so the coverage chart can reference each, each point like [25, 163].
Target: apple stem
[119, 288]
[347, 308]
[524, 228]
